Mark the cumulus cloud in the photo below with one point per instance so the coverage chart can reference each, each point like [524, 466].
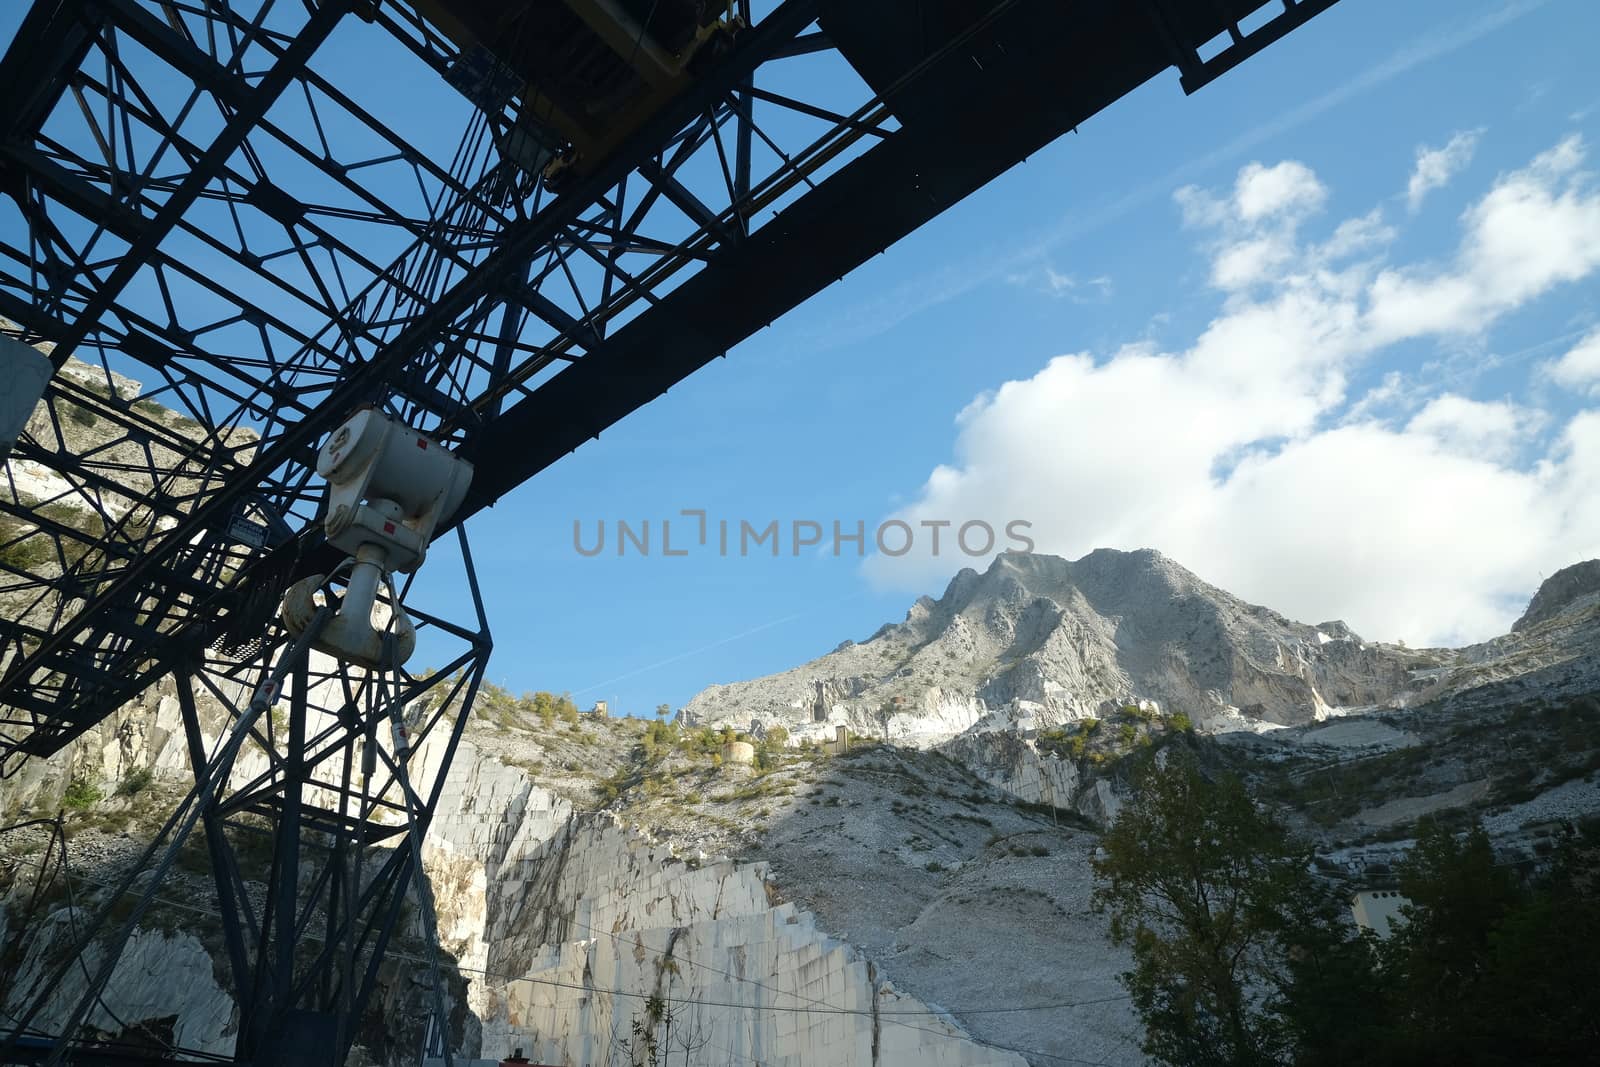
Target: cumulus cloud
[1579, 369]
[1427, 517]
[1535, 229]
[1288, 189]
[1475, 429]
[1257, 224]
[1436, 166]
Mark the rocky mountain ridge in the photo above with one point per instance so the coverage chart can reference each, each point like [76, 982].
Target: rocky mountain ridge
[1565, 588]
[1045, 640]
[727, 888]
[872, 904]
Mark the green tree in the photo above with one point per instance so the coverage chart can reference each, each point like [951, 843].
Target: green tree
[81, 794]
[1335, 1002]
[1197, 883]
[136, 781]
[544, 706]
[1488, 970]
[1546, 996]
[1438, 957]
[1241, 957]
[659, 737]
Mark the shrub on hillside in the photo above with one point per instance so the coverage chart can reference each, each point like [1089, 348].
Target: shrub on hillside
[135, 781]
[81, 794]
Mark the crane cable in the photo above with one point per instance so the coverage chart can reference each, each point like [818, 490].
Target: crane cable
[402, 752]
[179, 825]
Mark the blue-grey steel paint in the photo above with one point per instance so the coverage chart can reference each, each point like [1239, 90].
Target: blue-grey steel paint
[24, 372]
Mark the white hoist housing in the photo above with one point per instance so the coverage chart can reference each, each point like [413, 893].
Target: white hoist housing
[390, 485]
[389, 488]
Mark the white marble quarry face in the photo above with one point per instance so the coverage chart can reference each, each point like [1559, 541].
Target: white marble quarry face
[579, 918]
[141, 987]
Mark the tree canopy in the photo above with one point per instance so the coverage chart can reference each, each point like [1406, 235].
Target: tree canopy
[1242, 956]
[1197, 881]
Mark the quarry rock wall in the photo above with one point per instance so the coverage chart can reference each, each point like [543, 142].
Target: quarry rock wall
[576, 919]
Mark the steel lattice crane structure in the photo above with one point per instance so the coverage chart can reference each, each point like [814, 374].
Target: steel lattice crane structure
[211, 198]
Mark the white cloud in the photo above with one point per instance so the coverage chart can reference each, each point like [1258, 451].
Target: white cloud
[1475, 429]
[1290, 188]
[1258, 222]
[1537, 227]
[1380, 527]
[882, 312]
[1579, 369]
[1418, 515]
[1436, 166]
[1366, 233]
[1391, 392]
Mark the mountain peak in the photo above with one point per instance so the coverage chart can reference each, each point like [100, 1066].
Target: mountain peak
[1070, 638]
[1558, 591]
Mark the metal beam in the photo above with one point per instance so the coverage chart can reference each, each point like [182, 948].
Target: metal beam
[522, 241]
[249, 111]
[812, 243]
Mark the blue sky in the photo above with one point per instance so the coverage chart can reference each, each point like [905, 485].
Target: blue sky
[1276, 363]
[843, 409]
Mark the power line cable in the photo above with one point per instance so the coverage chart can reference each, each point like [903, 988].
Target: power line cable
[142, 1050]
[505, 977]
[811, 1005]
[174, 833]
[894, 1018]
[72, 926]
[816, 1006]
[57, 840]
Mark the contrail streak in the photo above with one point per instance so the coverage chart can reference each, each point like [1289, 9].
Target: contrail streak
[906, 300]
